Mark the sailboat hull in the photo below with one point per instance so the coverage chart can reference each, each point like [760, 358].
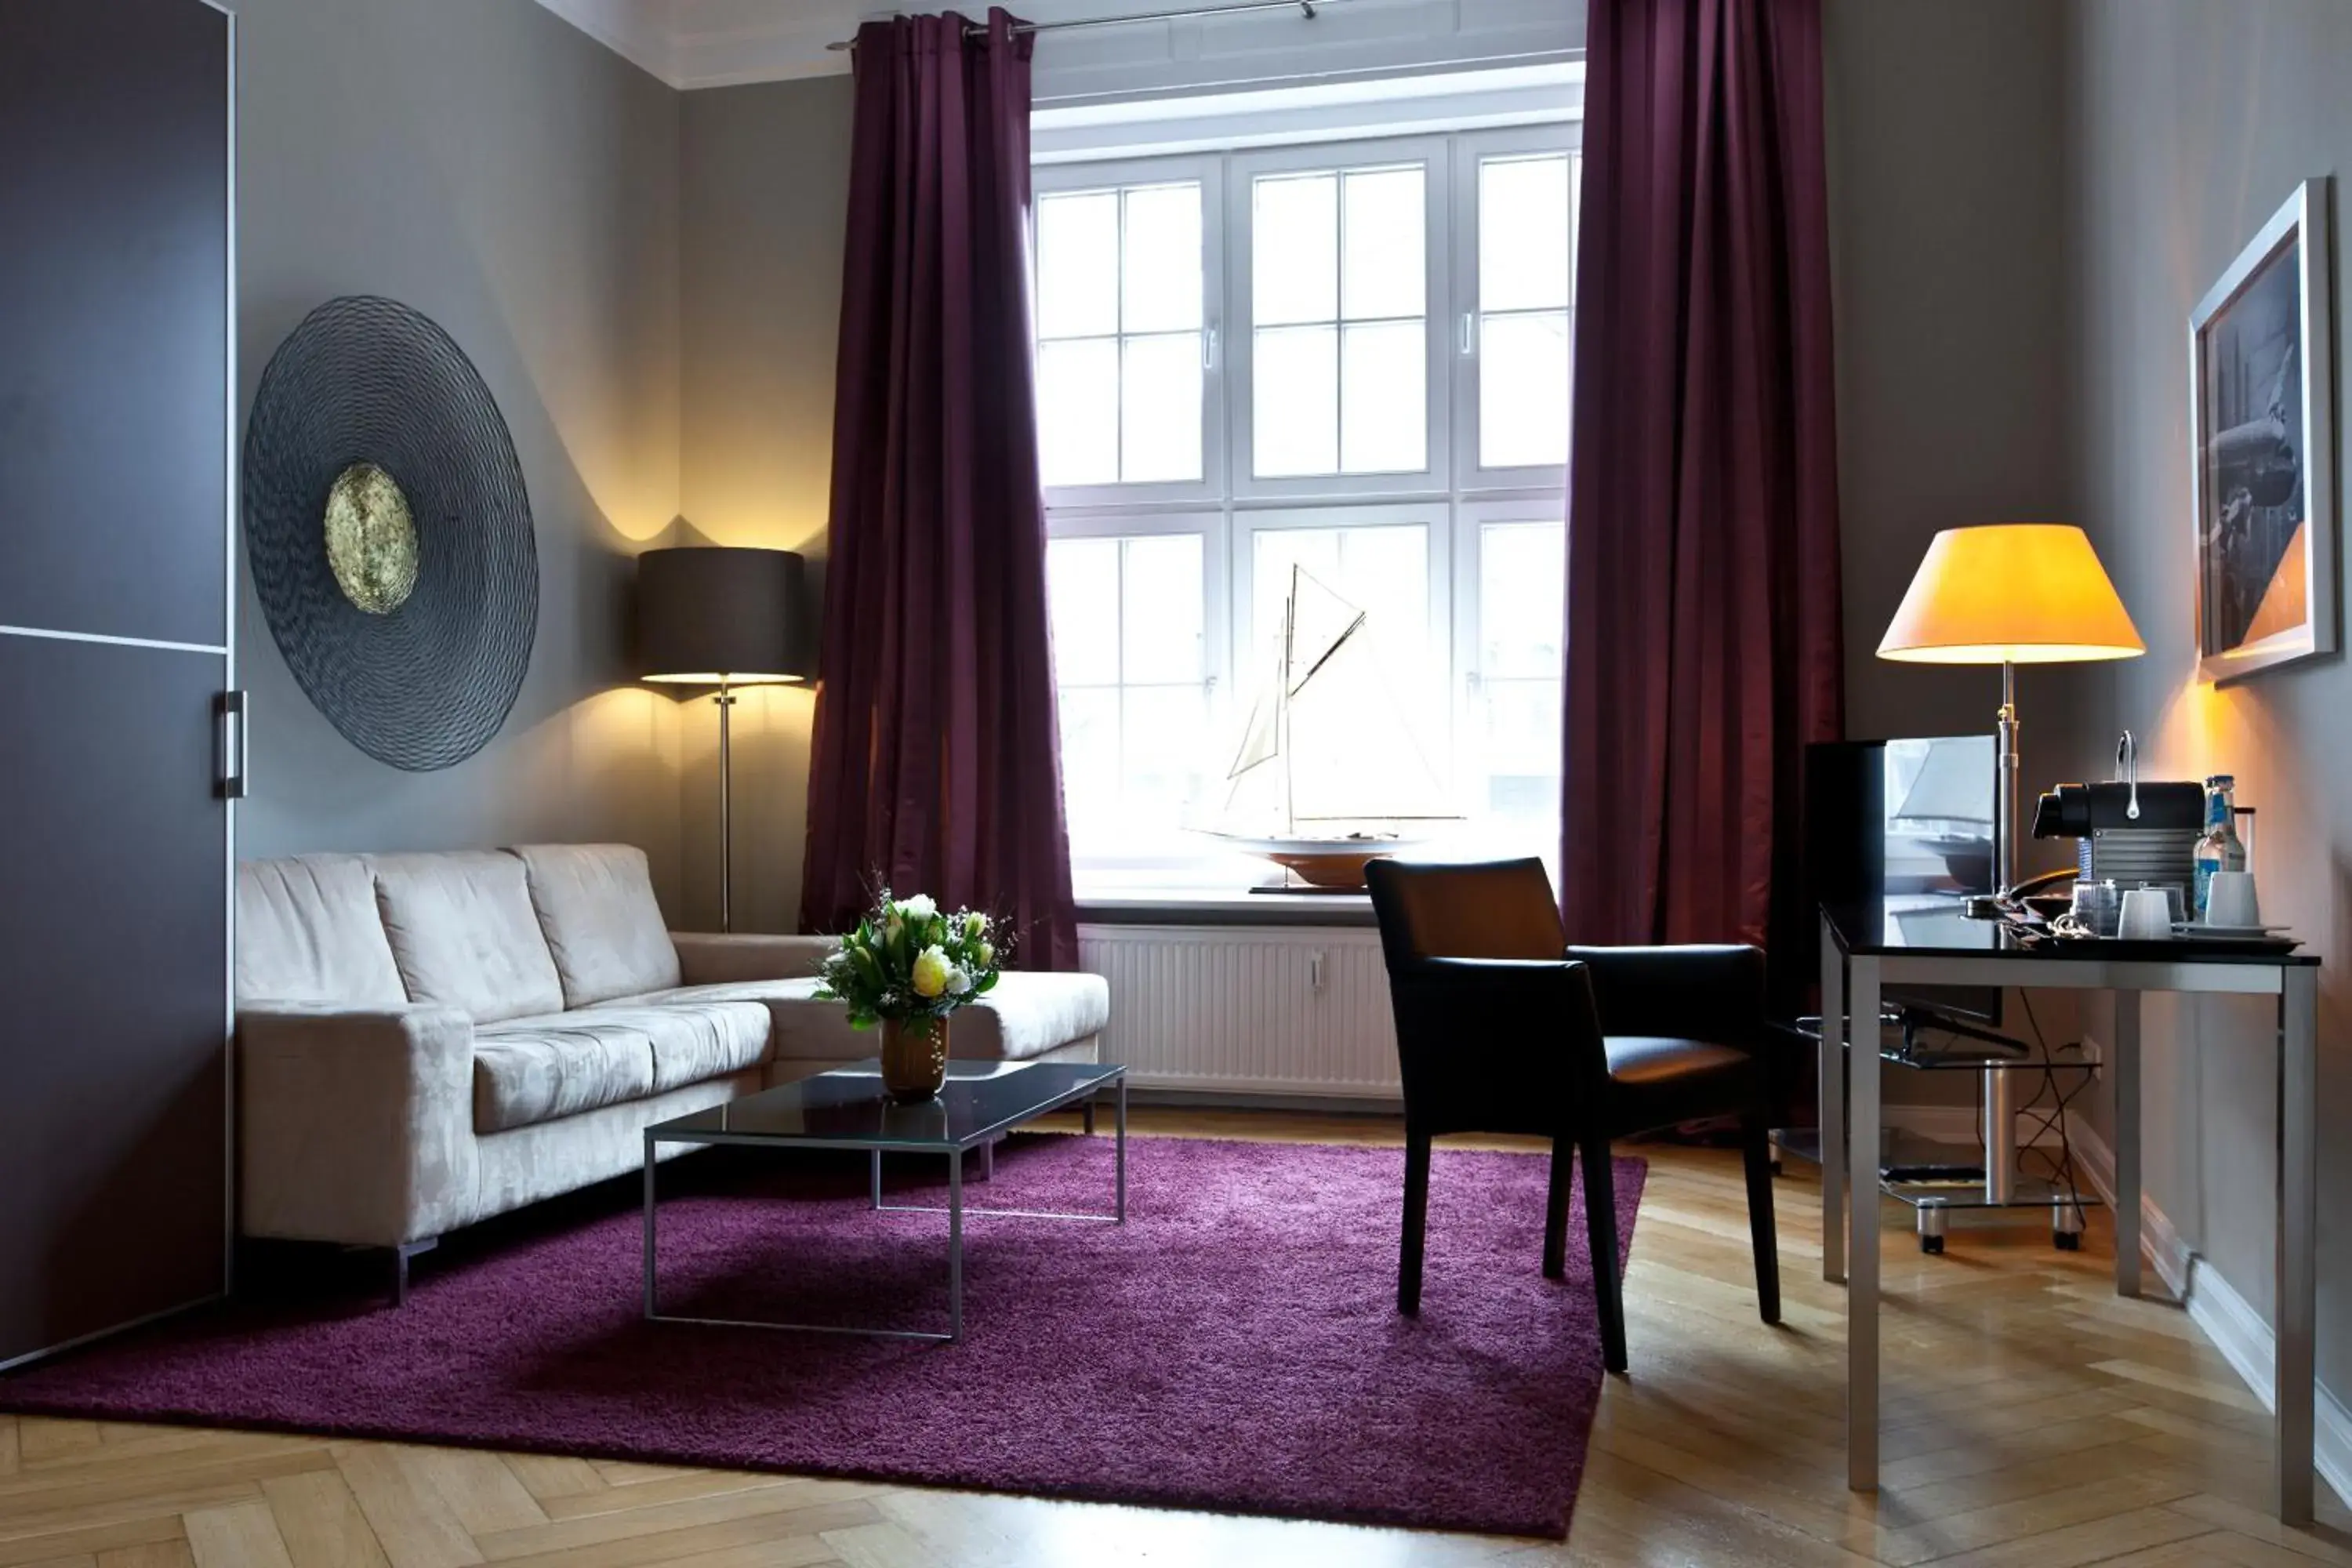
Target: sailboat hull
[1327, 865]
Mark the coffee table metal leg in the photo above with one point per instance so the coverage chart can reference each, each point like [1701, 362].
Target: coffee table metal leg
[649, 1229]
[878, 1178]
[1122, 1209]
[955, 1245]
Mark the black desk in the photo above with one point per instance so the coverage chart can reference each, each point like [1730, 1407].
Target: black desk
[1866, 946]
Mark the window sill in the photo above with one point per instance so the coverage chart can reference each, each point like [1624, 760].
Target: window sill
[1223, 907]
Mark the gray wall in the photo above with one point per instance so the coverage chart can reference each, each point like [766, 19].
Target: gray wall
[2190, 124]
[765, 200]
[496, 168]
[1948, 251]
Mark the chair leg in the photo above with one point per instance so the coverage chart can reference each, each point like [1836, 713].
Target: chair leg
[1563, 1171]
[1756, 1141]
[1601, 1234]
[1416, 1221]
[1086, 1117]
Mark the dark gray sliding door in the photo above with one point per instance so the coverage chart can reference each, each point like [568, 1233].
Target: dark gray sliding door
[116, 267]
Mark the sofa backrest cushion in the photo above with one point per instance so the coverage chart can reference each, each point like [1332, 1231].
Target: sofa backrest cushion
[464, 935]
[596, 908]
[308, 932]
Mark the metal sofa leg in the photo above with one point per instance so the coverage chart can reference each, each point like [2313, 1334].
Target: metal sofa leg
[399, 1258]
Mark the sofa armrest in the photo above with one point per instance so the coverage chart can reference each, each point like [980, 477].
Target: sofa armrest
[355, 1126]
[716, 958]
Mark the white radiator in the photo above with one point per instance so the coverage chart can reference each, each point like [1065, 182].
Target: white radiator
[1293, 1010]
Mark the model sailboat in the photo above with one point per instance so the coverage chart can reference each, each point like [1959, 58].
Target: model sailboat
[1326, 775]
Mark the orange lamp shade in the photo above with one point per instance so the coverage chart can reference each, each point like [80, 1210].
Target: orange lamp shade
[2011, 593]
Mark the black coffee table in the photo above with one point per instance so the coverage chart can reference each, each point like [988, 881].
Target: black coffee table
[845, 1109]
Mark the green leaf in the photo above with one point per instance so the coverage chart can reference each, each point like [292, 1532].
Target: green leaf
[986, 984]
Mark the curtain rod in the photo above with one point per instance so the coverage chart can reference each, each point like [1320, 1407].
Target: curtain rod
[974, 30]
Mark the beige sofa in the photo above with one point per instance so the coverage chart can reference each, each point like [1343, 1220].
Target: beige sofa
[427, 1040]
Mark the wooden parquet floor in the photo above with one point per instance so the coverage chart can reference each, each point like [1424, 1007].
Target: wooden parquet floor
[2032, 1418]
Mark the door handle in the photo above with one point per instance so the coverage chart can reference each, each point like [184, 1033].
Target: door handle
[230, 749]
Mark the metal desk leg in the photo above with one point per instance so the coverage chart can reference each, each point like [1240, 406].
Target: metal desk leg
[1862, 1251]
[1832, 1100]
[649, 1228]
[955, 1245]
[2298, 1228]
[877, 1179]
[1121, 1210]
[2123, 1073]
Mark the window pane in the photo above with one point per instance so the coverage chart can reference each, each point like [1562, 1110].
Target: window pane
[1160, 418]
[1384, 399]
[1387, 239]
[1159, 590]
[1090, 759]
[1160, 260]
[1520, 720]
[1295, 250]
[1523, 390]
[1081, 605]
[1077, 411]
[1165, 743]
[1295, 401]
[1383, 570]
[1523, 234]
[1077, 264]
[1522, 599]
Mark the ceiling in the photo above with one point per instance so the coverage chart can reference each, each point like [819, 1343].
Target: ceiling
[713, 43]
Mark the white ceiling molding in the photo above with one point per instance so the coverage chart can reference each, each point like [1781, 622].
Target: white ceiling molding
[636, 30]
[718, 43]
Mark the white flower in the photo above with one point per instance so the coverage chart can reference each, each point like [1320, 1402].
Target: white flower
[892, 927]
[957, 983]
[983, 955]
[918, 908]
[975, 924]
[932, 971]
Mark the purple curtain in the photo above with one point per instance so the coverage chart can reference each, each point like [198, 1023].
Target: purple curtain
[936, 767]
[1704, 647]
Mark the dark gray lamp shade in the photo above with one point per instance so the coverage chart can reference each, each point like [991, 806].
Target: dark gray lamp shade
[708, 615]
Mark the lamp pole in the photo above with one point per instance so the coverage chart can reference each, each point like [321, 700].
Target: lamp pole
[726, 811]
[2004, 876]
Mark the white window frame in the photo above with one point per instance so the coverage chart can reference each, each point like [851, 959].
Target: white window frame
[1453, 497]
[1470, 148]
[1430, 151]
[1055, 179]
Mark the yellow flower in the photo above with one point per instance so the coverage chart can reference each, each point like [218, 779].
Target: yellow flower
[932, 971]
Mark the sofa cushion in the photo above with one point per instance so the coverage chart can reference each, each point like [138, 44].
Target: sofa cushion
[307, 931]
[1024, 1017]
[529, 1071]
[464, 935]
[596, 908]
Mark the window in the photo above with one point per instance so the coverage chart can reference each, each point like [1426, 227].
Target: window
[1382, 418]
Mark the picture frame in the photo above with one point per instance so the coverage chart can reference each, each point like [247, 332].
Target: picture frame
[2263, 447]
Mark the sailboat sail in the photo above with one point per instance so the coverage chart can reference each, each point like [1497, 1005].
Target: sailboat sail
[1325, 744]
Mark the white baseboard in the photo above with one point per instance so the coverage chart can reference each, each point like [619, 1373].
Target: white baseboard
[2225, 1318]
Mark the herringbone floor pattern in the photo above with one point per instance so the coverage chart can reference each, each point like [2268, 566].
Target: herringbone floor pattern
[2032, 1419]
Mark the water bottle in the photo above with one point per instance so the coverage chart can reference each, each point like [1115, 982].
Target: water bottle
[2218, 848]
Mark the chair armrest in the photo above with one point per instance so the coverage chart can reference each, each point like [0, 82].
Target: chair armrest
[355, 1126]
[716, 958]
[1702, 993]
[1463, 1024]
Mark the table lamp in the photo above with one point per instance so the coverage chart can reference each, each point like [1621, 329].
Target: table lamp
[2010, 594]
[722, 618]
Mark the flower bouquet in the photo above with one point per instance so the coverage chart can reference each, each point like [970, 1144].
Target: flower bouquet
[906, 968]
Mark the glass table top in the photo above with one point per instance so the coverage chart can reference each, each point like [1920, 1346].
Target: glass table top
[1936, 925]
[848, 1107]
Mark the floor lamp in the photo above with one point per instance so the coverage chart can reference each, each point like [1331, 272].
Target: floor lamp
[2009, 594]
[722, 618]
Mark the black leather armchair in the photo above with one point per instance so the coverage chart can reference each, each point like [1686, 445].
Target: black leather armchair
[1503, 1027]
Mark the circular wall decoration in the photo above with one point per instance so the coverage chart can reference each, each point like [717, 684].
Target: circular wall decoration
[389, 533]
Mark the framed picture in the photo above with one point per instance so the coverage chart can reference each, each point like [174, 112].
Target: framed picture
[2264, 439]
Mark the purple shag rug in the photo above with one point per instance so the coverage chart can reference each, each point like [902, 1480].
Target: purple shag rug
[1236, 1345]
